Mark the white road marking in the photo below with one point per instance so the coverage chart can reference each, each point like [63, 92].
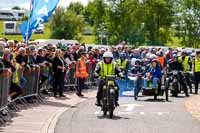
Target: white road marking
[141, 113]
[160, 113]
[130, 107]
[97, 113]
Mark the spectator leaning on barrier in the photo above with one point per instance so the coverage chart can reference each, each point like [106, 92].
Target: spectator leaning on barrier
[81, 73]
[21, 57]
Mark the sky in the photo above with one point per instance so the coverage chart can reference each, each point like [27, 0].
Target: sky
[8, 4]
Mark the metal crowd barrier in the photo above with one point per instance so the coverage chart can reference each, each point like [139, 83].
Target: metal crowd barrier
[90, 80]
[5, 83]
[44, 72]
[32, 82]
[70, 78]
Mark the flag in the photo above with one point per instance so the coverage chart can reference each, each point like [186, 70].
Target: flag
[41, 10]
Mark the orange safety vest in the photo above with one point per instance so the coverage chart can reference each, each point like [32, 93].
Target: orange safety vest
[162, 61]
[81, 69]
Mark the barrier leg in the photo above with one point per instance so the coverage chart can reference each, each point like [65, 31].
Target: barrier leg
[39, 98]
[3, 118]
[13, 106]
[24, 102]
[2, 121]
[10, 112]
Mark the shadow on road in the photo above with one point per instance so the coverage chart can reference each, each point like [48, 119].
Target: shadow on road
[114, 117]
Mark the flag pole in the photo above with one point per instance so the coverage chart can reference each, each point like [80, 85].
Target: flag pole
[28, 25]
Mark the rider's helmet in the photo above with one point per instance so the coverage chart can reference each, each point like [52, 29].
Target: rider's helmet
[174, 52]
[138, 62]
[123, 55]
[193, 55]
[108, 55]
[184, 53]
[198, 52]
[159, 53]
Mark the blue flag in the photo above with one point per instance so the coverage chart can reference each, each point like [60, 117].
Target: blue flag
[41, 10]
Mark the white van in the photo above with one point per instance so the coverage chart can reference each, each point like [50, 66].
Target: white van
[12, 15]
[11, 27]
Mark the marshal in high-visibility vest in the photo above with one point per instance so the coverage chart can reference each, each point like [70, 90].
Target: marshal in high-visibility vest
[107, 69]
[81, 69]
[122, 63]
[197, 65]
[185, 63]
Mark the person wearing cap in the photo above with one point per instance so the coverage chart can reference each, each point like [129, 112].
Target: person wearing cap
[187, 64]
[106, 67]
[196, 70]
[81, 73]
[176, 65]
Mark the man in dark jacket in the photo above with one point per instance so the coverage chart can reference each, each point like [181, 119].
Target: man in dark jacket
[174, 64]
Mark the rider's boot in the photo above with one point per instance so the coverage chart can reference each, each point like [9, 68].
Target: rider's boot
[116, 103]
[98, 102]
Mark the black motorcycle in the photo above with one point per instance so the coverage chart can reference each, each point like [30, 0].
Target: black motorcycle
[108, 100]
[173, 82]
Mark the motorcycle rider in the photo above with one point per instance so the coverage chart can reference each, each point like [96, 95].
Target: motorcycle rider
[196, 70]
[123, 63]
[175, 64]
[137, 71]
[106, 67]
[187, 65]
[153, 74]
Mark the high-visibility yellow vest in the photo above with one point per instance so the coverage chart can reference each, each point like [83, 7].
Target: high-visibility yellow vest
[15, 77]
[122, 63]
[107, 69]
[185, 63]
[197, 65]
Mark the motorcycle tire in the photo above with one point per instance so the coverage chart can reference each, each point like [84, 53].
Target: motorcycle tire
[105, 112]
[111, 113]
[167, 94]
[155, 96]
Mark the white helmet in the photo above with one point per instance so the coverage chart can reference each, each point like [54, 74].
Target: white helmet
[193, 54]
[107, 55]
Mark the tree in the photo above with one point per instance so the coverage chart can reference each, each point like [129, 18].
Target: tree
[16, 8]
[66, 24]
[188, 22]
[76, 7]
